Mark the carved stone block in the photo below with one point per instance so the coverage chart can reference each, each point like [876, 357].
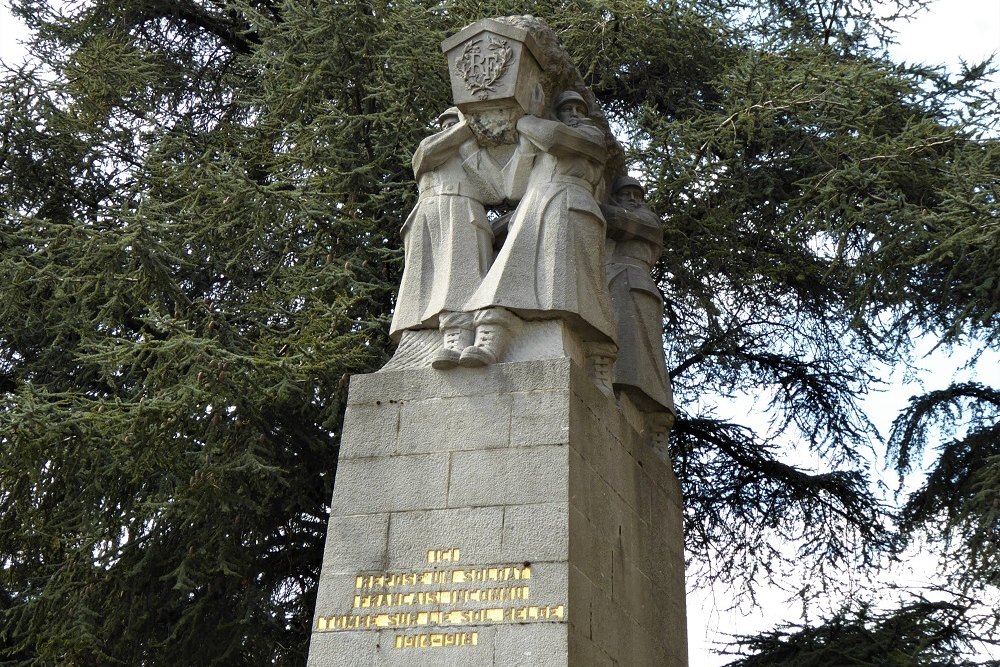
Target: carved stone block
[495, 66]
[557, 553]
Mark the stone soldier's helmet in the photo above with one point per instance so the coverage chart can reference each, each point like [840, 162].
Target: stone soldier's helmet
[567, 95]
[450, 112]
[626, 181]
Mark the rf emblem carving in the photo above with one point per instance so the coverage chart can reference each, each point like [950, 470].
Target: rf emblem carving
[481, 70]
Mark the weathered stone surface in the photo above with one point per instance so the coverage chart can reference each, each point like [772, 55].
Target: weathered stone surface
[356, 542]
[611, 632]
[447, 239]
[635, 243]
[526, 133]
[567, 280]
[549, 583]
[585, 653]
[501, 498]
[370, 430]
[515, 79]
[535, 532]
[337, 592]
[553, 480]
[540, 418]
[442, 424]
[343, 649]
[391, 484]
[539, 645]
[387, 387]
[500, 477]
[589, 552]
[473, 530]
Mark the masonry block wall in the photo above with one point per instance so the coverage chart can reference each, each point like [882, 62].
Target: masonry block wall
[510, 515]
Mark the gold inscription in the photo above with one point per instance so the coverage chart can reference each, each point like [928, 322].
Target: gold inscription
[437, 640]
[441, 597]
[430, 577]
[443, 555]
[387, 600]
[461, 617]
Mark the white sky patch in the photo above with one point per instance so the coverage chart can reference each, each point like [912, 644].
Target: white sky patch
[11, 32]
[951, 31]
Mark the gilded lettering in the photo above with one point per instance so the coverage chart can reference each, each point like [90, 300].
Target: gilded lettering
[436, 640]
[443, 555]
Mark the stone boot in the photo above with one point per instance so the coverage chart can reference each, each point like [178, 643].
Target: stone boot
[600, 365]
[658, 425]
[494, 329]
[457, 333]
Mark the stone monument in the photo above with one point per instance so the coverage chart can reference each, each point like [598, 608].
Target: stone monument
[503, 494]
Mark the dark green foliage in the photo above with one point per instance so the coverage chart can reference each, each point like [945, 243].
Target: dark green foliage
[959, 502]
[747, 506]
[184, 300]
[199, 245]
[920, 633]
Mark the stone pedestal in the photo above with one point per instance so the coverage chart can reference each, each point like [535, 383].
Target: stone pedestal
[508, 515]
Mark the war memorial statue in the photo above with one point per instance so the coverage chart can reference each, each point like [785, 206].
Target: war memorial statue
[503, 493]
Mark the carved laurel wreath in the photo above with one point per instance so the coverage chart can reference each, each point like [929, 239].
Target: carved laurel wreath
[481, 79]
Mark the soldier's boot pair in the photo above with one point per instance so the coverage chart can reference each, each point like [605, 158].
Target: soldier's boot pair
[457, 333]
[495, 327]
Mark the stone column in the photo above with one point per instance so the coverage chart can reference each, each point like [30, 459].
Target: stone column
[507, 515]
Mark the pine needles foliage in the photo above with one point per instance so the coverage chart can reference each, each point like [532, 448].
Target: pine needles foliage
[920, 633]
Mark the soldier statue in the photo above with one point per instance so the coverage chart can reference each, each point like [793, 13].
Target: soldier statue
[552, 261]
[447, 240]
[635, 241]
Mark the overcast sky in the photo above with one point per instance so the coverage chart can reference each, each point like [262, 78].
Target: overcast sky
[952, 29]
[10, 30]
